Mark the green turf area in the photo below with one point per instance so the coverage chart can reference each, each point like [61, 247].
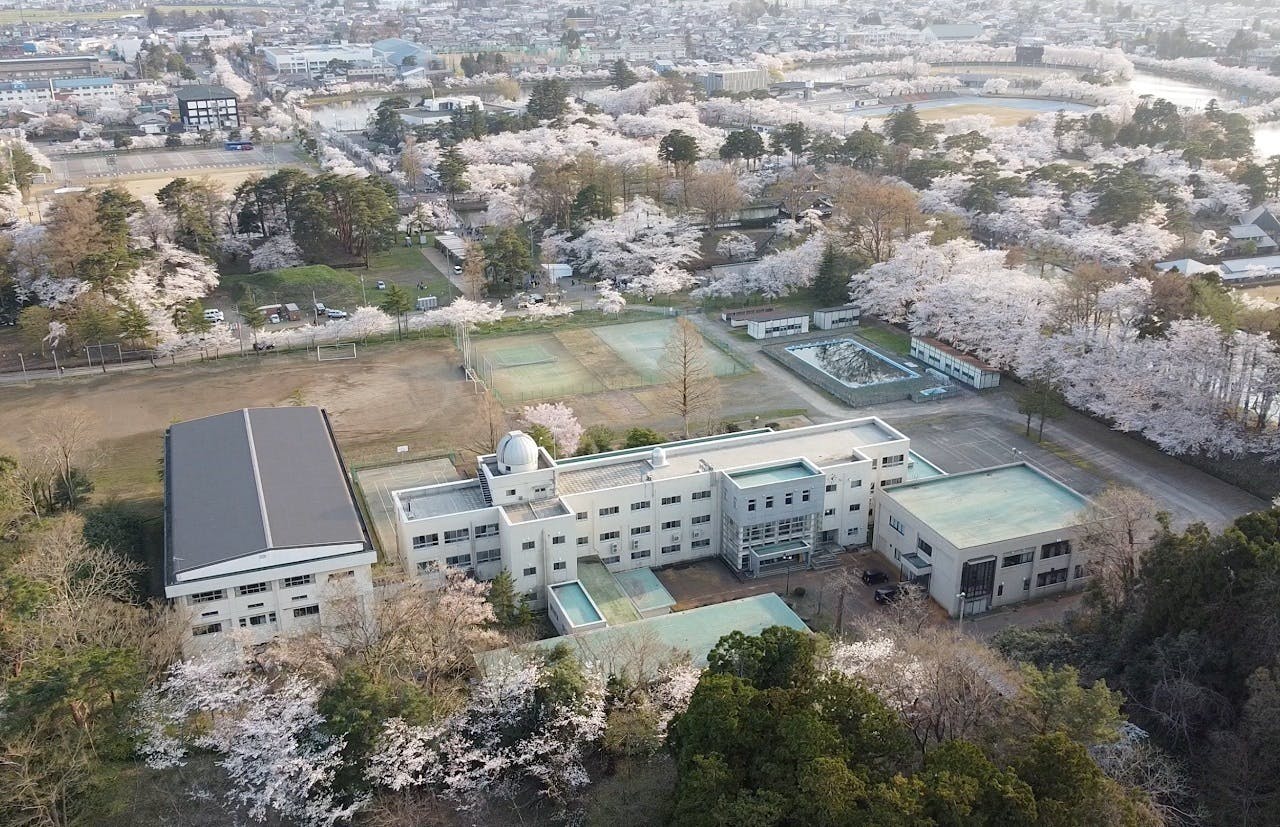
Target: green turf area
[890, 339]
[341, 288]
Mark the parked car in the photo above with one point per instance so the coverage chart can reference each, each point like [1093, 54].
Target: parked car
[320, 308]
[872, 577]
[381, 285]
[888, 595]
[336, 314]
[457, 268]
[214, 315]
[275, 318]
[530, 300]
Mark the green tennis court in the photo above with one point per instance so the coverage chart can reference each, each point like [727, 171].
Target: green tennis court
[580, 361]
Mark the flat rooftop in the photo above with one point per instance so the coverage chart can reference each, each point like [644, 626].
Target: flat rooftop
[535, 510]
[770, 475]
[987, 506]
[828, 444]
[695, 631]
[439, 500]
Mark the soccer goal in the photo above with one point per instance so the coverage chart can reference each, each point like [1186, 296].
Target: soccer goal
[335, 352]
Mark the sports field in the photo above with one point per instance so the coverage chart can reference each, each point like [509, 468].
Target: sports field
[583, 360]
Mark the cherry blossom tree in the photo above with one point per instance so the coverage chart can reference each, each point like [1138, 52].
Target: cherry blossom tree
[775, 275]
[608, 299]
[276, 253]
[460, 311]
[267, 736]
[736, 246]
[634, 243]
[560, 420]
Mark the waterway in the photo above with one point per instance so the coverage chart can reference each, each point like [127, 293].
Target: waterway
[1266, 137]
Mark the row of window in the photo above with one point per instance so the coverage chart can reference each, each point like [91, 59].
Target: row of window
[214, 628]
[641, 505]
[831, 512]
[787, 499]
[251, 588]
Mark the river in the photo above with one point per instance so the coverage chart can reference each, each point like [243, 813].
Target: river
[1266, 137]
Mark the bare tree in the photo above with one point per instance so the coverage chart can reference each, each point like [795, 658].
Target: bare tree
[58, 445]
[473, 270]
[874, 214]
[717, 194]
[1119, 527]
[411, 163]
[690, 388]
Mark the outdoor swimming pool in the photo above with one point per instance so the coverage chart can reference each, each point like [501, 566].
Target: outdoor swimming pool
[851, 364]
[577, 606]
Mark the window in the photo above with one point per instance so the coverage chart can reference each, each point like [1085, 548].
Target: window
[460, 535]
[1057, 549]
[851, 532]
[605, 512]
[671, 500]
[670, 524]
[206, 597]
[559, 565]
[831, 487]
[206, 629]
[458, 560]
[258, 620]
[300, 580]
[895, 524]
[641, 529]
[787, 499]
[923, 547]
[892, 460]
[637, 555]
[1018, 559]
[1049, 578]
[893, 481]
[700, 495]
[700, 519]
[610, 535]
[511, 492]
[700, 544]
[557, 540]
[490, 530]
[751, 505]
[306, 611]
[252, 588]
[768, 502]
[830, 512]
[1079, 572]
[855, 483]
[256, 605]
[804, 496]
[855, 507]
[541, 489]
[582, 541]
[607, 560]
[425, 565]
[489, 555]
[426, 540]
[528, 545]
[640, 506]
[582, 515]
[530, 571]
[671, 549]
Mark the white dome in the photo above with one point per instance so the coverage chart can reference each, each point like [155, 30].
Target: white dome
[517, 452]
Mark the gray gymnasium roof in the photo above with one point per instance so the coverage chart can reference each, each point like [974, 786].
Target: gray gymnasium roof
[242, 482]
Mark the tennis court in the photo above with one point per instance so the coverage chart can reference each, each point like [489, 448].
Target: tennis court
[584, 360]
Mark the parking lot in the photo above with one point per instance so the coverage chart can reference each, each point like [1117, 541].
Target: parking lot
[144, 162]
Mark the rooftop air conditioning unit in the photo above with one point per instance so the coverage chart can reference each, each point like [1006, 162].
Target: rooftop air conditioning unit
[697, 532]
[675, 537]
[613, 547]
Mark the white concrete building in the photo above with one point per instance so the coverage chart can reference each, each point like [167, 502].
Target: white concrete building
[316, 59]
[761, 500]
[985, 538]
[261, 526]
[960, 366]
[773, 323]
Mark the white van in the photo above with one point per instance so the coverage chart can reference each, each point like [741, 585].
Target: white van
[214, 315]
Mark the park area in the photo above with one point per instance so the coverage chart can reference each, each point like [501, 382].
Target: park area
[585, 360]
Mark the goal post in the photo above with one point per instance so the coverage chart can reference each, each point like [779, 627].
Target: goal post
[335, 352]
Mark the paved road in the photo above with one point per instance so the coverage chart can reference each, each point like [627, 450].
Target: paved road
[76, 168]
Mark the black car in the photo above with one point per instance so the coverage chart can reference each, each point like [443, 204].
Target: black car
[871, 577]
[888, 595]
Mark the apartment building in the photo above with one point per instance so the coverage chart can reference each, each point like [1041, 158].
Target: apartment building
[262, 531]
[984, 539]
[761, 500]
[208, 107]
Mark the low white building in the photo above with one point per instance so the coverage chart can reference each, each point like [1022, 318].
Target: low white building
[774, 323]
[261, 526]
[846, 315]
[960, 366]
[761, 500]
[985, 538]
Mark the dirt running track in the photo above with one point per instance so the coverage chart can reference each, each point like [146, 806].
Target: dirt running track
[389, 396]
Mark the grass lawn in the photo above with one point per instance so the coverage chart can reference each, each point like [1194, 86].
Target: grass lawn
[889, 338]
[341, 288]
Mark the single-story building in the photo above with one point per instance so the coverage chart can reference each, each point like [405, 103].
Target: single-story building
[261, 526]
[738, 316]
[1187, 267]
[771, 324]
[985, 538]
[943, 357]
[846, 315]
